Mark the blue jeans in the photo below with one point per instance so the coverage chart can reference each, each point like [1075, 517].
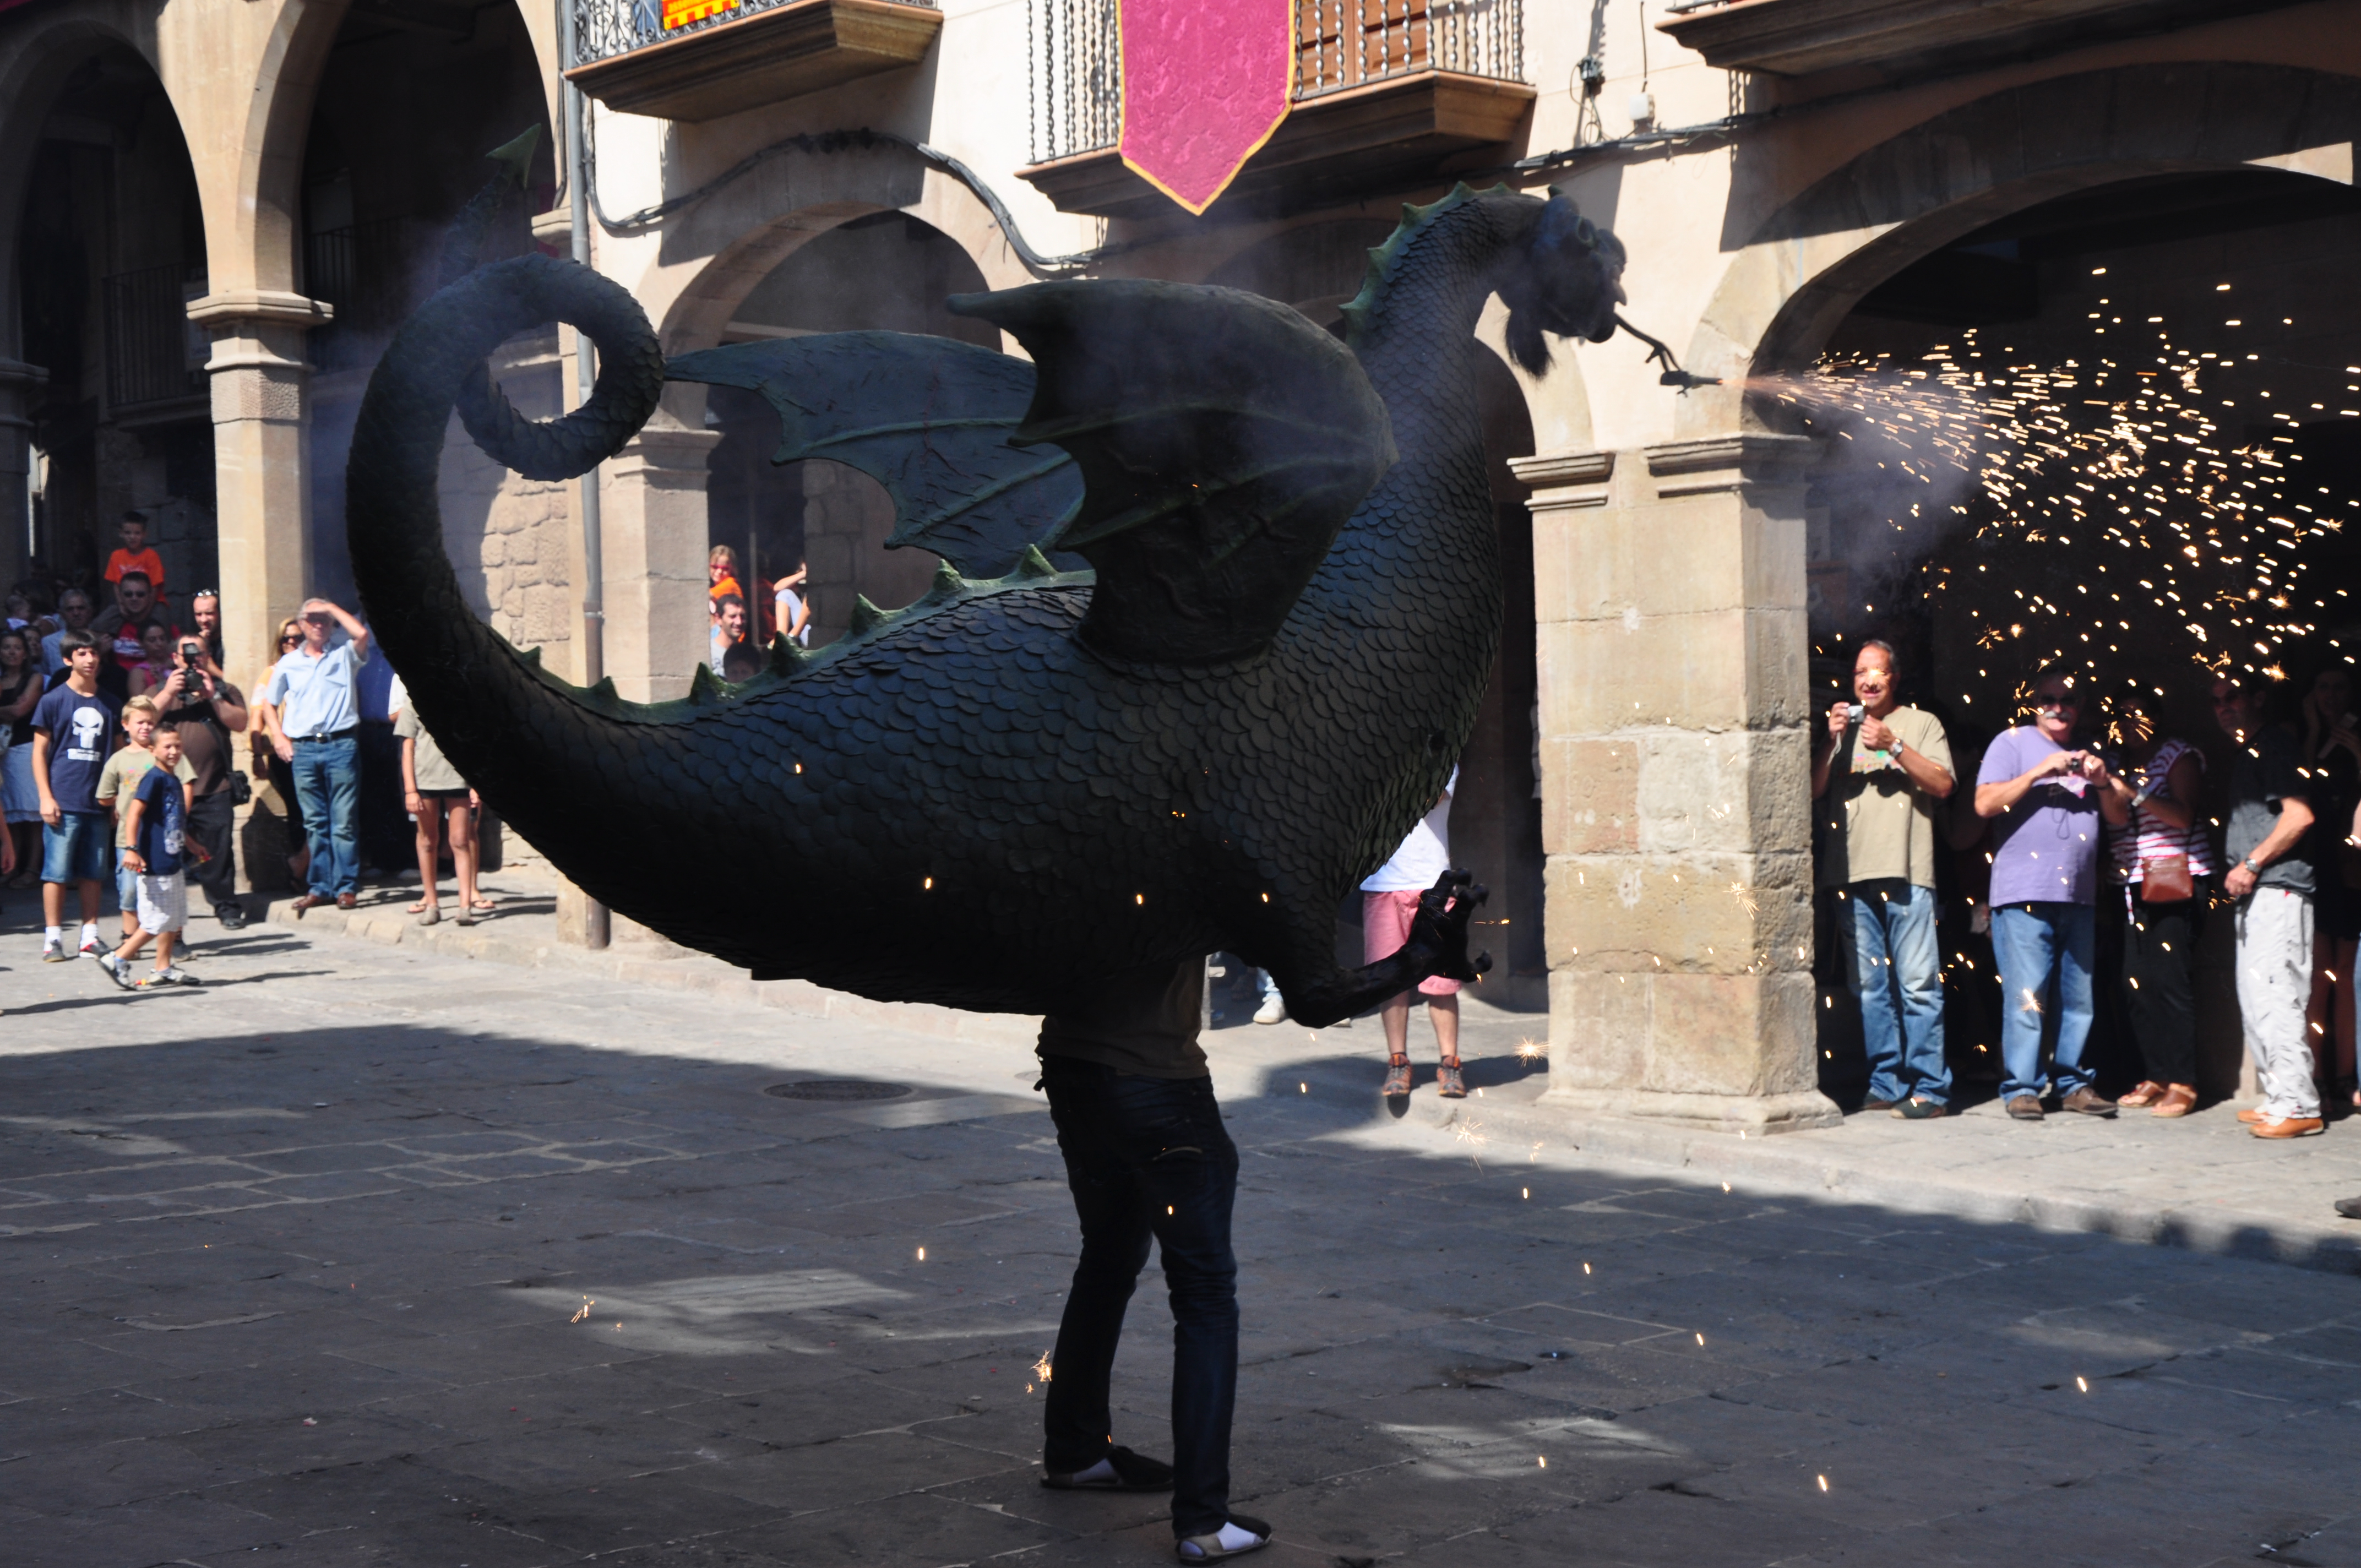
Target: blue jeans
[1892, 929]
[328, 782]
[1147, 1157]
[2034, 943]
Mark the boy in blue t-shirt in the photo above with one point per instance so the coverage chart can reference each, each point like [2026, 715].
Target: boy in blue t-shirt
[156, 824]
[74, 731]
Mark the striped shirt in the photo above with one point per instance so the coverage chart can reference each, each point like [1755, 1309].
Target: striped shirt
[2148, 835]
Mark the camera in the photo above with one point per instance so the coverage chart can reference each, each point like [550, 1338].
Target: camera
[193, 650]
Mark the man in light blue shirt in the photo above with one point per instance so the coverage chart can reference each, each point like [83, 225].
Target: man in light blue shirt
[311, 713]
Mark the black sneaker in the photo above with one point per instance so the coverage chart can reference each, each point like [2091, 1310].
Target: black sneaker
[1916, 1110]
[232, 917]
[1118, 1470]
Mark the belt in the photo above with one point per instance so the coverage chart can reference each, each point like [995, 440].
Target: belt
[345, 733]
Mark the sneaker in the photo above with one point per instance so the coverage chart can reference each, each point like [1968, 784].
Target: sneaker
[232, 917]
[2252, 1115]
[1916, 1110]
[90, 947]
[1398, 1079]
[1875, 1103]
[117, 971]
[1448, 1082]
[1273, 1010]
[173, 976]
[2290, 1127]
[1120, 1471]
[53, 952]
[1237, 1537]
[2025, 1108]
[2087, 1101]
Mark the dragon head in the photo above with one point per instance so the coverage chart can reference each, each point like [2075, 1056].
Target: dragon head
[1566, 279]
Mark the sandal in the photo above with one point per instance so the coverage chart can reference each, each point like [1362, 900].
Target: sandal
[2179, 1099]
[2148, 1093]
[1448, 1082]
[1397, 1077]
[420, 907]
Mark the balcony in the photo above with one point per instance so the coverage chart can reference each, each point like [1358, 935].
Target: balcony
[1910, 37]
[699, 60]
[1388, 94]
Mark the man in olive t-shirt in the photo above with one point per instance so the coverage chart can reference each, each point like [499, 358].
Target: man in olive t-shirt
[1880, 769]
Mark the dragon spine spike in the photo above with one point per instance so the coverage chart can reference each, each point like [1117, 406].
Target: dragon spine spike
[788, 655]
[1382, 258]
[1032, 566]
[532, 657]
[705, 687]
[867, 617]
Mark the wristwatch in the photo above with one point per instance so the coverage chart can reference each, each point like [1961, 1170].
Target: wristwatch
[2248, 866]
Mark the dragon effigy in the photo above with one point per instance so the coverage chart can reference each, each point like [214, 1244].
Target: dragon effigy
[1220, 599]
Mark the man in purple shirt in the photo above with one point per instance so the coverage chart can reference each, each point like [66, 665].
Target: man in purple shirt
[2049, 797]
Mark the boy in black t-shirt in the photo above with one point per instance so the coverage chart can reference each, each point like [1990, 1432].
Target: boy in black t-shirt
[156, 824]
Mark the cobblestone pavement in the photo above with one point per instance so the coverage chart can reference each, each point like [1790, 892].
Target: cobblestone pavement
[364, 1254]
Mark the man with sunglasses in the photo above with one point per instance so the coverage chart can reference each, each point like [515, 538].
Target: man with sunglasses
[205, 710]
[313, 719]
[2049, 797]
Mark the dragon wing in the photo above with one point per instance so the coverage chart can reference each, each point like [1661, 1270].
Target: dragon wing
[1223, 440]
[928, 418]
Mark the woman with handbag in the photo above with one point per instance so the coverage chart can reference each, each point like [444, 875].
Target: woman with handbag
[2164, 863]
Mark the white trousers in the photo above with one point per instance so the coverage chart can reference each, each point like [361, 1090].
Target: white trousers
[2274, 928]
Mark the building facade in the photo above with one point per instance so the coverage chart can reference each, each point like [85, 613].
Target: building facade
[217, 210]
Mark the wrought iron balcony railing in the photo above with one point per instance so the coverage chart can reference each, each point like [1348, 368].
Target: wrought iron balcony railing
[154, 353]
[1077, 85]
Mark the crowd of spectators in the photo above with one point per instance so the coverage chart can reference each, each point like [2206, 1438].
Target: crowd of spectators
[93, 703]
[2093, 853]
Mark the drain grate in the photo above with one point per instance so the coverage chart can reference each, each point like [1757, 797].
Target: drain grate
[839, 1089]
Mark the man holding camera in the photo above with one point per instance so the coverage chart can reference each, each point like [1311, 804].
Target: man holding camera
[1881, 768]
[2049, 797]
[205, 710]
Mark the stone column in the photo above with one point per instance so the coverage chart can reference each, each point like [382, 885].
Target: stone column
[653, 507]
[20, 388]
[1669, 593]
[261, 440]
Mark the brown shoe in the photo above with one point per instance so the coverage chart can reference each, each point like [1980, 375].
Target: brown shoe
[309, 901]
[2251, 1115]
[1448, 1082]
[2179, 1099]
[346, 900]
[2025, 1108]
[2292, 1127]
[2085, 1102]
[2148, 1093]
[1397, 1079]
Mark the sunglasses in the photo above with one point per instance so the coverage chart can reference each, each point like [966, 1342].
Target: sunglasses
[2056, 705]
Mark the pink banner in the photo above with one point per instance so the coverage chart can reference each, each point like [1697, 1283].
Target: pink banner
[1206, 83]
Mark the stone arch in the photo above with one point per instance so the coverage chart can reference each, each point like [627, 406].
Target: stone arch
[1807, 267]
[37, 58]
[712, 256]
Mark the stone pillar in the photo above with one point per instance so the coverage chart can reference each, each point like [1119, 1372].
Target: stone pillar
[1669, 593]
[20, 388]
[654, 534]
[261, 452]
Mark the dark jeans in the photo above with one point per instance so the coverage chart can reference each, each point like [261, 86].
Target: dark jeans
[2159, 949]
[211, 823]
[1136, 1148]
[328, 782]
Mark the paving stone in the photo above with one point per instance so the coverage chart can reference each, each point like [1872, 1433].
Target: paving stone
[793, 1384]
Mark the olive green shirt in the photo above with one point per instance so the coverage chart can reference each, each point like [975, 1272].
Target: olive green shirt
[1877, 824]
